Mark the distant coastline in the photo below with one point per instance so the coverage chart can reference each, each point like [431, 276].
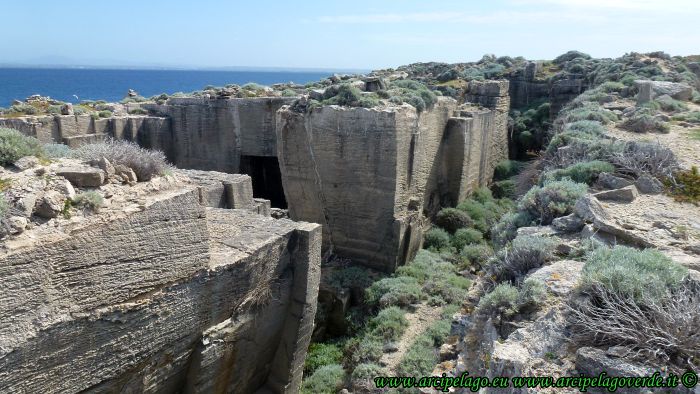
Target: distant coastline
[74, 84]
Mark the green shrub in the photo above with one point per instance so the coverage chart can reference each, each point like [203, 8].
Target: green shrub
[399, 291]
[437, 276]
[79, 111]
[420, 359]
[668, 104]
[54, 109]
[641, 300]
[582, 130]
[502, 300]
[452, 219]
[321, 354]
[523, 254]
[590, 111]
[349, 277]
[437, 239]
[506, 169]
[362, 349]
[26, 109]
[413, 93]
[328, 379]
[15, 145]
[289, 93]
[507, 227]
[483, 214]
[506, 300]
[427, 265]
[553, 199]
[138, 111]
[687, 186]
[367, 371]
[584, 172]
[438, 331]
[612, 86]
[475, 255]
[466, 236]
[89, 200]
[631, 272]
[571, 55]
[504, 189]
[145, 163]
[532, 294]
[104, 114]
[643, 122]
[389, 324]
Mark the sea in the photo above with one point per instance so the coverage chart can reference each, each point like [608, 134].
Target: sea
[78, 84]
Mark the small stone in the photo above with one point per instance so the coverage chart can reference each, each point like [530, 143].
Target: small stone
[568, 224]
[17, 224]
[608, 181]
[625, 194]
[67, 109]
[83, 177]
[125, 172]
[50, 204]
[390, 347]
[649, 185]
[27, 162]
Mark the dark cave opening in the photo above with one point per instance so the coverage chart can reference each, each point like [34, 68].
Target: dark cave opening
[267, 179]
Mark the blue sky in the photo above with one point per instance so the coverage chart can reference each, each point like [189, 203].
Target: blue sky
[355, 34]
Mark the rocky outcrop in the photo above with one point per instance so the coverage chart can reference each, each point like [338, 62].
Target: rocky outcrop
[160, 293]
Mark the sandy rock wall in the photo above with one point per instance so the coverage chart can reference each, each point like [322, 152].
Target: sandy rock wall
[370, 176]
[211, 134]
[170, 296]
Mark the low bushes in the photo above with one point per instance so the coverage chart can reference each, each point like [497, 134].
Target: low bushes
[506, 169]
[475, 255]
[328, 379]
[637, 158]
[436, 239]
[399, 291]
[584, 172]
[466, 236]
[389, 324]
[506, 228]
[551, 200]
[483, 209]
[321, 354]
[88, 200]
[687, 186]
[506, 300]
[640, 300]
[55, 151]
[523, 254]
[15, 145]
[504, 189]
[452, 219]
[642, 122]
[145, 163]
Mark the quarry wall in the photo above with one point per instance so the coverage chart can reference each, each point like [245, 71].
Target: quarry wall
[371, 177]
[174, 295]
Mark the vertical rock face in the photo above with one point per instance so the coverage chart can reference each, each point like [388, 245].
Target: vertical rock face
[369, 175]
[214, 134]
[173, 297]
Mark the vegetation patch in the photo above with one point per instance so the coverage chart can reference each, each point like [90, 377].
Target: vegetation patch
[15, 145]
[641, 300]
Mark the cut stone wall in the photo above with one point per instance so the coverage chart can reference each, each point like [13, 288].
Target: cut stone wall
[172, 297]
[371, 176]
